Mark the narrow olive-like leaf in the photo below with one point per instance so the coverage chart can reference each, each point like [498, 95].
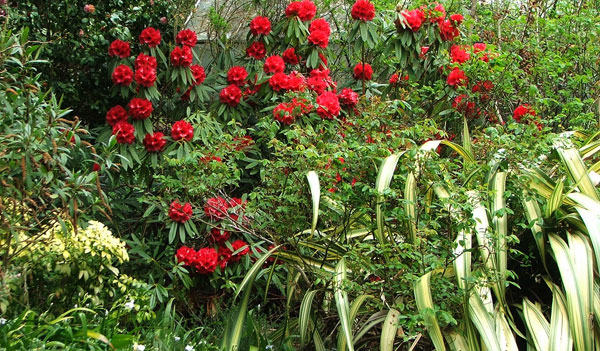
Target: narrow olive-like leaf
[251, 274]
[578, 171]
[425, 307]
[560, 335]
[467, 139]
[375, 319]
[589, 150]
[353, 313]
[315, 191]
[410, 206]
[342, 304]
[384, 178]
[576, 277]
[500, 222]
[504, 334]
[318, 341]
[483, 322]
[305, 314]
[534, 215]
[555, 199]
[536, 324]
[459, 150]
[592, 223]
[388, 332]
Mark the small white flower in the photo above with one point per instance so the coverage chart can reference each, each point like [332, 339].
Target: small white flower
[130, 305]
[269, 347]
[189, 348]
[3, 321]
[137, 347]
[176, 338]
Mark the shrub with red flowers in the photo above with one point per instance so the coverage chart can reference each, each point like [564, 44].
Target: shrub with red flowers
[154, 142]
[458, 54]
[150, 37]
[140, 108]
[181, 56]
[457, 78]
[290, 57]
[182, 130]
[414, 19]
[274, 64]
[328, 105]
[124, 132]
[363, 10]
[143, 60]
[305, 10]
[348, 97]
[256, 50]
[231, 95]
[145, 76]
[260, 25]
[115, 115]
[122, 75]
[198, 73]
[216, 208]
[119, 48]
[363, 71]
[186, 37]
[522, 111]
[180, 213]
[237, 75]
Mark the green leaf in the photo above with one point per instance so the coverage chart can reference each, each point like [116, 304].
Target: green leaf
[426, 308]
[304, 315]
[578, 171]
[483, 322]
[388, 332]
[410, 206]
[342, 304]
[536, 323]
[315, 191]
[382, 183]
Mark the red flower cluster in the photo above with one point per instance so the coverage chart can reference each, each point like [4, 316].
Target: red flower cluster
[242, 246]
[414, 19]
[448, 30]
[483, 88]
[260, 25]
[424, 50]
[119, 48]
[457, 77]
[155, 142]
[305, 10]
[217, 208]
[182, 130]
[237, 75]
[523, 111]
[348, 97]
[363, 71]
[231, 95]
[319, 32]
[218, 235]
[122, 75]
[124, 132]
[480, 48]
[289, 56]
[329, 105]
[181, 56]
[256, 50]
[204, 260]
[115, 115]
[461, 104]
[319, 81]
[180, 213]
[363, 10]
[287, 112]
[320, 24]
[274, 64]
[143, 60]
[140, 108]
[186, 37]
[458, 54]
[198, 73]
[438, 14]
[150, 37]
[145, 76]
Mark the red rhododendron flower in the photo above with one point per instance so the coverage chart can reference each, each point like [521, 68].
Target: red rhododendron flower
[478, 47]
[283, 113]
[320, 24]
[224, 256]
[394, 79]
[115, 115]
[143, 60]
[180, 213]
[186, 255]
[182, 130]
[279, 81]
[483, 88]
[457, 77]
[154, 142]
[218, 235]
[461, 104]
[198, 73]
[456, 19]
[348, 97]
[522, 111]
[145, 76]
[206, 260]
[122, 75]
[459, 54]
[305, 10]
[319, 38]
[140, 108]
[239, 245]
[438, 14]
[295, 82]
[216, 208]
[119, 48]
[424, 50]
[363, 10]
[230, 95]
[414, 19]
[363, 71]
[150, 37]
[256, 50]
[448, 31]
[260, 25]
[289, 56]
[274, 64]
[181, 56]
[237, 75]
[124, 132]
[186, 37]
[329, 105]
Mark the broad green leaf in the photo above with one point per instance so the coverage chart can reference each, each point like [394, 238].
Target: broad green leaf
[560, 335]
[592, 222]
[534, 215]
[315, 191]
[483, 322]
[410, 206]
[426, 308]
[578, 171]
[388, 332]
[500, 222]
[536, 323]
[304, 315]
[342, 304]
[382, 183]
